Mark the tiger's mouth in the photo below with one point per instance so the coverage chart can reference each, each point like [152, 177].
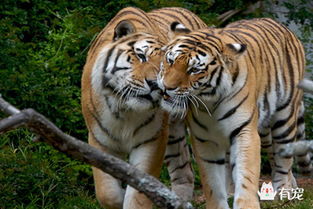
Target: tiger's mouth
[176, 105]
[145, 96]
[140, 98]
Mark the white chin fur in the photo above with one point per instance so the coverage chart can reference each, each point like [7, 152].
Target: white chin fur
[168, 107]
[138, 104]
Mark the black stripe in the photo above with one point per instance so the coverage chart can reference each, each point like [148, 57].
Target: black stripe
[272, 24]
[105, 83]
[300, 120]
[179, 167]
[219, 78]
[212, 75]
[248, 179]
[286, 132]
[233, 166]
[287, 141]
[272, 45]
[235, 75]
[206, 140]
[291, 77]
[171, 156]
[170, 142]
[107, 58]
[264, 135]
[115, 69]
[300, 135]
[139, 14]
[175, 179]
[198, 122]
[182, 14]
[266, 146]
[145, 142]
[106, 131]
[236, 131]
[164, 23]
[276, 181]
[233, 110]
[145, 123]
[281, 123]
[212, 36]
[282, 172]
[277, 166]
[219, 161]
[200, 139]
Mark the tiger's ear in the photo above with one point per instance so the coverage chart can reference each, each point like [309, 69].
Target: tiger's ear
[234, 51]
[177, 29]
[123, 28]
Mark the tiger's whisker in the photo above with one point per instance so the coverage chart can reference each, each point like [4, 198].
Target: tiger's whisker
[206, 108]
[192, 102]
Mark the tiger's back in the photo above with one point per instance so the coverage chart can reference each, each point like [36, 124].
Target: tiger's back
[165, 17]
[277, 60]
[272, 47]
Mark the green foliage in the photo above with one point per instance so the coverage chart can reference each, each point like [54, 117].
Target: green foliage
[34, 175]
[300, 11]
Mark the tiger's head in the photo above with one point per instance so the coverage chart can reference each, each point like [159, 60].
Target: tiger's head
[127, 67]
[196, 68]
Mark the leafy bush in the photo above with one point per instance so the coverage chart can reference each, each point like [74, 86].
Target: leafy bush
[36, 175]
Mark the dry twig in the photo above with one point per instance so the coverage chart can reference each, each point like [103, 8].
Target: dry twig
[297, 148]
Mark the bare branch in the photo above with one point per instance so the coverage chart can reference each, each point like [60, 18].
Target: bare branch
[306, 85]
[7, 108]
[296, 148]
[151, 187]
[229, 14]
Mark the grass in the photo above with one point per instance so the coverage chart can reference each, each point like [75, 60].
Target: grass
[306, 203]
[34, 175]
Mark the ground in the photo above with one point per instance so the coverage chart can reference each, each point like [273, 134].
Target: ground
[303, 182]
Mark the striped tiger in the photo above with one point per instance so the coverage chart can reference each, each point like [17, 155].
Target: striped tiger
[120, 103]
[237, 86]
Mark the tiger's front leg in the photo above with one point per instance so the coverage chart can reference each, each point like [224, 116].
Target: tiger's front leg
[210, 157]
[177, 159]
[147, 157]
[109, 191]
[246, 160]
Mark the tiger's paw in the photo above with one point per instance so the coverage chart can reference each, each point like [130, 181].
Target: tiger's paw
[246, 203]
[184, 191]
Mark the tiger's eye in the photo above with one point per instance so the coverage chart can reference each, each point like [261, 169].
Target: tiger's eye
[194, 70]
[142, 57]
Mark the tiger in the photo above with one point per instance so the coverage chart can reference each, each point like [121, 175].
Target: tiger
[236, 86]
[120, 101]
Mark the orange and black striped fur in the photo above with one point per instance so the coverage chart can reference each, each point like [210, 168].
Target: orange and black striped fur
[237, 86]
[119, 103]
